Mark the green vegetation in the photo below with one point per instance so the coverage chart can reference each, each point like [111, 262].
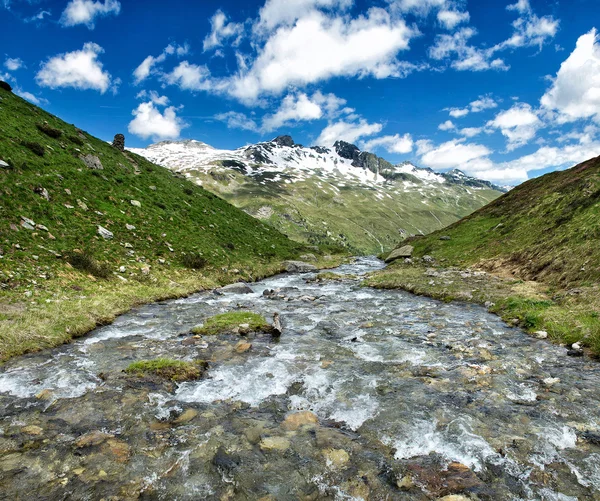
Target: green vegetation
[59, 278]
[227, 322]
[328, 275]
[173, 370]
[542, 235]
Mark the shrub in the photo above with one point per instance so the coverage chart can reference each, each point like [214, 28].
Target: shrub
[76, 140]
[37, 148]
[5, 85]
[49, 131]
[194, 261]
[85, 262]
[188, 191]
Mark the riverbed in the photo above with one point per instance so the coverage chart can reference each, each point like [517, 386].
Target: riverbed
[368, 394]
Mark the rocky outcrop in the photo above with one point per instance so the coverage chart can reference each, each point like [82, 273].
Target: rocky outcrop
[284, 141]
[119, 142]
[298, 267]
[401, 253]
[347, 150]
[92, 162]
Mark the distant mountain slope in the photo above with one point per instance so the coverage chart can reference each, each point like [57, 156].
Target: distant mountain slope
[316, 195]
[545, 229]
[74, 210]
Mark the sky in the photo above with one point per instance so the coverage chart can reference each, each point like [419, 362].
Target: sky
[505, 90]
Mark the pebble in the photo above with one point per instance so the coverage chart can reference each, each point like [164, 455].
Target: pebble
[541, 334]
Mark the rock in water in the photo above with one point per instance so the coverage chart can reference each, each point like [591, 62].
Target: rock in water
[402, 252]
[298, 267]
[276, 325]
[238, 288]
[93, 162]
[119, 142]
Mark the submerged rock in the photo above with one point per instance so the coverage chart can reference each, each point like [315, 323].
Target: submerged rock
[298, 419]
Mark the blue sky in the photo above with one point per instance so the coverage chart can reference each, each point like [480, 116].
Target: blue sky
[504, 90]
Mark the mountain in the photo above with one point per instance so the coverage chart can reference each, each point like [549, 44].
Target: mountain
[87, 231]
[341, 194]
[540, 241]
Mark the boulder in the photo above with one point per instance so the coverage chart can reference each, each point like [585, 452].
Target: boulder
[119, 142]
[4, 165]
[92, 162]
[401, 253]
[27, 223]
[104, 233]
[298, 267]
[237, 288]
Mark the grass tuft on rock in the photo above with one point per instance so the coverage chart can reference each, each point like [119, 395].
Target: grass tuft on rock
[166, 368]
[227, 322]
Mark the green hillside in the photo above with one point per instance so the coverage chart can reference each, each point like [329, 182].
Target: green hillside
[545, 231]
[60, 277]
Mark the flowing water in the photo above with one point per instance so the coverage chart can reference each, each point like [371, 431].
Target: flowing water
[415, 399]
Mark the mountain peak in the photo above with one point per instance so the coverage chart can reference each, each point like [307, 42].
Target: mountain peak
[284, 140]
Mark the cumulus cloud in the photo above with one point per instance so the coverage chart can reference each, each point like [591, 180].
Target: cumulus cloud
[481, 104]
[153, 96]
[518, 124]
[86, 12]
[452, 18]
[447, 125]
[190, 77]
[236, 120]
[286, 12]
[392, 144]
[30, 97]
[575, 92]
[79, 69]
[347, 131]
[455, 153]
[13, 63]
[470, 131]
[293, 109]
[149, 122]
[148, 66]
[221, 30]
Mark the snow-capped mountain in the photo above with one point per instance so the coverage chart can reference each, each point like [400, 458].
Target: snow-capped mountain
[338, 195]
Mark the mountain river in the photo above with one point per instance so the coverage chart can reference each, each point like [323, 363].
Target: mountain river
[409, 398]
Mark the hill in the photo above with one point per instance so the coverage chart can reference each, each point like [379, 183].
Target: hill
[544, 231]
[338, 195]
[87, 231]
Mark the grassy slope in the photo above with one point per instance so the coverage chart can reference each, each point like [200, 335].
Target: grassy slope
[43, 300]
[547, 231]
[364, 220]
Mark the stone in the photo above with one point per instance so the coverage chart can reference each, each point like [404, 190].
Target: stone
[455, 497]
[336, 458]
[575, 353]
[92, 162]
[128, 245]
[82, 205]
[401, 253]
[427, 259]
[541, 334]
[280, 444]
[130, 227]
[32, 430]
[298, 419]
[186, 417]
[92, 438]
[237, 288]
[298, 267]
[122, 269]
[405, 483]
[243, 347]
[4, 165]
[551, 381]
[446, 238]
[119, 142]
[576, 346]
[136, 203]
[28, 224]
[42, 192]
[119, 449]
[41, 227]
[104, 233]
[284, 141]
[308, 257]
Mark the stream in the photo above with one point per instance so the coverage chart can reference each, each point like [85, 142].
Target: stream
[408, 398]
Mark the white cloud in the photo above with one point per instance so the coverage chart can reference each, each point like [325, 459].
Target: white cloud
[419, 7]
[86, 12]
[153, 96]
[347, 131]
[470, 131]
[392, 144]
[287, 12]
[455, 153]
[481, 104]
[38, 17]
[575, 92]
[522, 6]
[235, 120]
[452, 18]
[150, 122]
[30, 97]
[221, 30]
[293, 109]
[13, 63]
[79, 69]
[458, 112]
[148, 65]
[319, 47]
[518, 124]
[190, 77]
[447, 125]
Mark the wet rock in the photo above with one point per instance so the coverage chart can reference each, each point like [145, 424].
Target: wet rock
[119, 449]
[336, 458]
[92, 162]
[405, 483]
[454, 497]
[575, 353]
[92, 438]
[590, 437]
[119, 142]
[298, 267]
[429, 473]
[226, 463]
[243, 347]
[551, 381]
[401, 253]
[32, 430]
[104, 233]
[279, 444]
[186, 417]
[298, 419]
[237, 288]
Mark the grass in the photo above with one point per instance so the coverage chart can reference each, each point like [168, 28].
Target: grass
[542, 235]
[62, 279]
[173, 370]
[227, 322]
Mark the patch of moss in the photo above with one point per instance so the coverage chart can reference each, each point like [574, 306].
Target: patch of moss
[173, 370]
[227, 322]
